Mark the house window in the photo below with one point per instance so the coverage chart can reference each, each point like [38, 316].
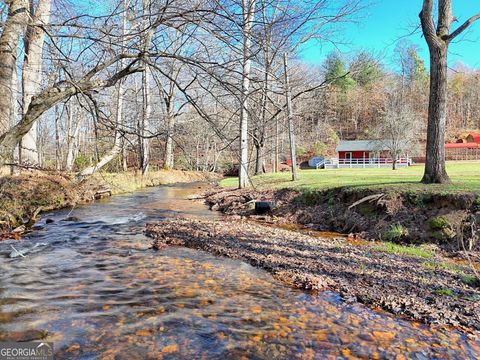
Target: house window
[348, 156]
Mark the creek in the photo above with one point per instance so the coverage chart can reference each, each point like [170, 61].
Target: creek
[95, 288]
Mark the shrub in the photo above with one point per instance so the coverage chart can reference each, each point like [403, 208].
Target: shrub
[439, 223]
[476, 204]
[395, 232]
[82, 162]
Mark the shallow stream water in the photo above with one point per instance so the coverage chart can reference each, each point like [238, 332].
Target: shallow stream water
[96, 290]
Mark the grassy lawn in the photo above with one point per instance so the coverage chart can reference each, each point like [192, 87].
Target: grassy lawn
[465, 176]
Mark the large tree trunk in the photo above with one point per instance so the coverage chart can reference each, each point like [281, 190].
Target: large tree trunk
[438, 39]
[435, 171]
[248, 17]
[14, 27]
[32, 75]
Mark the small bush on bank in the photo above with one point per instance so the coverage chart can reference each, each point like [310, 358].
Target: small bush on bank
[395, 232]
[439, 223]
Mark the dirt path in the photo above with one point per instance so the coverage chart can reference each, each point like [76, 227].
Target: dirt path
[411, 286]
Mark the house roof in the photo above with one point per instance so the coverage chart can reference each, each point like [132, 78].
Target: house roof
[462, 146]
[362, 145]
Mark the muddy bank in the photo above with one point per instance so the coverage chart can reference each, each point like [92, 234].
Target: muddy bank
[451, 221]
[403, 285]
[24, 197]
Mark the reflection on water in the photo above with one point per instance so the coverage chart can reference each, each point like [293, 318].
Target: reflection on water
[97, 291]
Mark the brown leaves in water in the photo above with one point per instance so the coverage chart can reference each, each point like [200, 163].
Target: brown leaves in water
[383, 335]
[144, 332]
[169, 349]
[10, 236]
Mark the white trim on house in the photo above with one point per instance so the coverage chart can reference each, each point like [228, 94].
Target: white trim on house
[366, 163]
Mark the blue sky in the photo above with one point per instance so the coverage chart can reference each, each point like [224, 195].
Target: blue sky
[385, 21]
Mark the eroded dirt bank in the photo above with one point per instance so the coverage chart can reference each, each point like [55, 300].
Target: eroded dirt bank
[450, 221]
[404, 285]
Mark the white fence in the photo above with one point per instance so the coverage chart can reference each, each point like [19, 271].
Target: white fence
[365, 163]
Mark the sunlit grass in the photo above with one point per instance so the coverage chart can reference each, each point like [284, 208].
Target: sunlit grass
[465, 176]
[396, 249]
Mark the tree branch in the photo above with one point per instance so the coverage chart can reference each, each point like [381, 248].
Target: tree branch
[463, 27]
[426, 19]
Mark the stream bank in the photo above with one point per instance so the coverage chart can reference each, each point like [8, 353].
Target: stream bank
[23, 197]
[449, 221]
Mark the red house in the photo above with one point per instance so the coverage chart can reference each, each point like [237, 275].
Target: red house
[363, 149]
[365, 154]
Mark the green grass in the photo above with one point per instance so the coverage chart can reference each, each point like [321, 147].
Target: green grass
[396, 249]
[435, 265]
[446, 292]
[465, 177]
[469, 280]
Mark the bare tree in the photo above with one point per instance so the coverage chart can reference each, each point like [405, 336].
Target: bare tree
[291, 129]
[438, 39]
[398, 130]
[248, 8]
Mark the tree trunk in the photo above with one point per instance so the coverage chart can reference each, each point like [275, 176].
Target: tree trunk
[260, 159]
[248, 18]
[169, 160]
[144, 142]
[438, 36]
[144, 123]
[73, 131]
[291, 130]
[57, 141]
[124, 155]
[32, 75]
[435, 171]
[12, 30]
